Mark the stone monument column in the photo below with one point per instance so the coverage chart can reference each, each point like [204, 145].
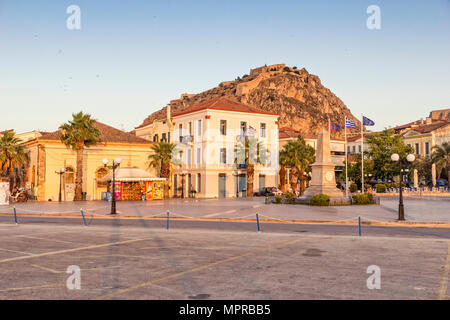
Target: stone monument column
[433, 174]
[416, 179]
[323, 176]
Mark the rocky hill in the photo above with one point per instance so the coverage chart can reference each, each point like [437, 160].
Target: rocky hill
[299, 97]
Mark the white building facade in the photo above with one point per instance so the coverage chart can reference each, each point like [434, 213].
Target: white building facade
[210, 149]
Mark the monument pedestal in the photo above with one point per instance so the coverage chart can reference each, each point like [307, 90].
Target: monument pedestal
[323, 178]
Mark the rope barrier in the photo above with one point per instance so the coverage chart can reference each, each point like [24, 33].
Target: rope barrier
[249, 215]
[56, 212]
[60, 212]
[177, 215]
[360, 219]
[372, 220]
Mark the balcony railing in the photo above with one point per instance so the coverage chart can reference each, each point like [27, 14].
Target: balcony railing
[187, 139]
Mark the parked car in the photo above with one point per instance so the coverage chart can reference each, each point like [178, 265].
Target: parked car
[267, 191]
[277, 191]
[410, 184]
[439, 183]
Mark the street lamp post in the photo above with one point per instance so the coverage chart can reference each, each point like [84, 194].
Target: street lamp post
[369, 177]
[61, 172]
[183, 180]
[410, 158]
[236, 173]
[115, 164]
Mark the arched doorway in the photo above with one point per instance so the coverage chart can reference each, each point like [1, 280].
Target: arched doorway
[69, 184]
[100, 186]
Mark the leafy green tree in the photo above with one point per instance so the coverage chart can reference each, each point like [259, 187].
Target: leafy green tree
[161, 158]
[354, 170]
[12, 155]
[424, 167]
[298, 156]
[441, 157]
[382, 145]
[77, 134]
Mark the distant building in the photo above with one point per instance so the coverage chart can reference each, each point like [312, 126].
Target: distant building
[435, 116]
[158, 130]
[47, 155]
[443, 114]
[422, 135]
[354, 144]
[422, 138]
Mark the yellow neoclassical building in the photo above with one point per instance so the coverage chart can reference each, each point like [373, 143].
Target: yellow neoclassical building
[158, 130]
[423, 137]
[47, 156]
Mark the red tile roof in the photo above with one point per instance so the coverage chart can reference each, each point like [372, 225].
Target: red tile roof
[404, 126]
[354, 138]
[416, 123]
[426, 128]
[225, 104]
[287, 133]
[109, 134]
[358, 136]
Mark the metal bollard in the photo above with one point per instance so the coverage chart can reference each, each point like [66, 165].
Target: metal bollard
[15, 215]
[84, 219]
[257, 222]
[359, 224]
[167, 223]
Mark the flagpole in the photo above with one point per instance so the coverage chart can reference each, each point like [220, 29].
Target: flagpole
[362, 155]
[329, 129]
[345, 147]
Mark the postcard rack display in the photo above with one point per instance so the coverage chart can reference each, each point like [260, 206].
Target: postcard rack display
[138, 190]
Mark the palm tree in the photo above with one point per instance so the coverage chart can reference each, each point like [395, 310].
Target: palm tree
[441, 157]
[252, 152]
[12, 155]
[161, 158]
[282, 173]
[77, 134]
[284, 163]
[298, 156]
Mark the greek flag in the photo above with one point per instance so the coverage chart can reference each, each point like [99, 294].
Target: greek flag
[368, 122]
[350, 123]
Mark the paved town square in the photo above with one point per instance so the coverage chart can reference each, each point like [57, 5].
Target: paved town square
[214, 255]
[146, 261]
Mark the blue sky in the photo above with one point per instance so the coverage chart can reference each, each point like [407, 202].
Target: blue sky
[132, 57]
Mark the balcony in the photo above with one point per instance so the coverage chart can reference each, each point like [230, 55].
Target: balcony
[187, 139]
